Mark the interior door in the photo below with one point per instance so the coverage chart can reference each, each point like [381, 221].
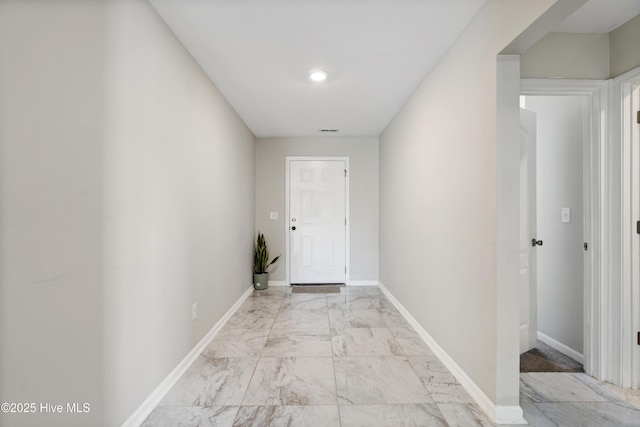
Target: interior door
[317, 222]
[528, 238]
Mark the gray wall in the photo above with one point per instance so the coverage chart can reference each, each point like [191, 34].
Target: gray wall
[127, 195]
[179, 194]
[560, 125]
[625, 55]
[598, 56]
[51, 237]
[568, 55]
[363, 191]
[438, 197]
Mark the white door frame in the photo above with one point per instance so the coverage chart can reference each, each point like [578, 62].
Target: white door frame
[597, 265]
[625, 367]
[287, 186]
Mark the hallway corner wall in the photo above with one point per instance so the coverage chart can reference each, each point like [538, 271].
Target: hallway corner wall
[438, 197]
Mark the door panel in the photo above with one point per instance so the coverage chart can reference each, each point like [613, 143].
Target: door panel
[528, 265]
[317, 230]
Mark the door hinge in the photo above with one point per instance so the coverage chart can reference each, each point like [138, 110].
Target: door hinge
[586, 246]
[638, 227]
[345, 269]
[345, 221]
[638, 118]
[638, 337]
[345, 173]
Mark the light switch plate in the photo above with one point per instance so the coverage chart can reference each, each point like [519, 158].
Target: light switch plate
[274, 215]
[566, 215]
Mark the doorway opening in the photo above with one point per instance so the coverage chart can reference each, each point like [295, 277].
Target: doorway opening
[569, 303]
[557, 240]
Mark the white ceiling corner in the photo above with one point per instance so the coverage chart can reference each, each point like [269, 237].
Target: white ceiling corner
[258, 54]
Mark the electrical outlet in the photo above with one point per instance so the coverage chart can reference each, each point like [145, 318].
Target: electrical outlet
[194, 311]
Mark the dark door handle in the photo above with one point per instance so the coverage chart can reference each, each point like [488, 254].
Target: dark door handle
[535, 242]
[293, 228]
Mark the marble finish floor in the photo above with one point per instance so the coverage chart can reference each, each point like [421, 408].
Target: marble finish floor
[348, 360]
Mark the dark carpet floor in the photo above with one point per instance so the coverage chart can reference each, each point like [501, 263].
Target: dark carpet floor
[543, 358]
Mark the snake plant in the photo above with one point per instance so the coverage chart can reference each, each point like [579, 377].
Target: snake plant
[261, 256]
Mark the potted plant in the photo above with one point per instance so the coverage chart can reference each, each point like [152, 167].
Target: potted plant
[261, 264]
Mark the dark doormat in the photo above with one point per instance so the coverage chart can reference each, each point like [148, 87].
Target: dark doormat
[316, 289]
[543, 358]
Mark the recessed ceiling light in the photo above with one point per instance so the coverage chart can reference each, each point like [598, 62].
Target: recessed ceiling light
[318, 75]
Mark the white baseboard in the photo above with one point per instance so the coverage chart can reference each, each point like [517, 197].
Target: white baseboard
[277, 283]
[363, 283]
[143, 411]
[509, 415]
[557, 345]
[497, 414]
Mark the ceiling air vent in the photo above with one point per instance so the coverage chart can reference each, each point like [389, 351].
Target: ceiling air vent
[328, 130]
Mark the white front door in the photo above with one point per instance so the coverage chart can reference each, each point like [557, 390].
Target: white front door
[317, 221]
[528, 238]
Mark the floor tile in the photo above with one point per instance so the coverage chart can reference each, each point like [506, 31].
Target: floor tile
[378, 380]
[272, 291]
[298, 343]
[373, 290]
[393, 319]
[364, 342]
[591, 414]
[431, 370]
[350, 301]
[292, 381]
[425, 414]
[266, 304]
[250, 320]
[464, 415]
[301, 319]
[546, 387]
[189, 416]
[340, 319]
[448, 393]
[382, 303]
[354, 290]
[277, 356]
[534, 417]
[410, 342]
[287, 416]
[211, 382]
[631, 396]
[237, 343]
[305, 302]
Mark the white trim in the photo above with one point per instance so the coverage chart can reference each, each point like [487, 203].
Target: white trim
[485, 403]
[363, 283]
[625, 301]
[277, 283]
[150, 403]
[557, 345]
[510, 415]
[288, 160]
[597, 179]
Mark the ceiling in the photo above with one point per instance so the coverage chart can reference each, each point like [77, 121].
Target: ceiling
[259, 53]
[600, 16]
